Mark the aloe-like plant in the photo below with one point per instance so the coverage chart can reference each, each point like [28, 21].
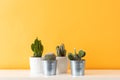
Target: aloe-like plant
[61, 51]
[50, 56]
[76, 56]
[37, 48]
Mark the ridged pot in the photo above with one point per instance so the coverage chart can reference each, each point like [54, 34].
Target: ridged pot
[49, 67]
[62, 65]
[77, 67]
[35, 65]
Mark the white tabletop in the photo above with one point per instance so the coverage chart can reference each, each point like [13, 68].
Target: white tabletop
[89, 75]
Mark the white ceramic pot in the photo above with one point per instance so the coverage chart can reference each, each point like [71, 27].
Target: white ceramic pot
[35, 65]
[62, 65]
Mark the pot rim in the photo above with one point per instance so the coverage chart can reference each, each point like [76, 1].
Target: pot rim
[49, 60]
[34, 57]
[78, 60]
[61, 57]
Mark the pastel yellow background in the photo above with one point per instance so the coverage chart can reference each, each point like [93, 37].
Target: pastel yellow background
[92, 25]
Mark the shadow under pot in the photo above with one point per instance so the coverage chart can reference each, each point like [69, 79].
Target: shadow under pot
[49, 67]
[77, 67]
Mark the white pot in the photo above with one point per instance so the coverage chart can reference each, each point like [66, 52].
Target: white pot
[62, 65]
[35, 65]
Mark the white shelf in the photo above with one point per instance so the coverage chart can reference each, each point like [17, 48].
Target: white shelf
[89, 75]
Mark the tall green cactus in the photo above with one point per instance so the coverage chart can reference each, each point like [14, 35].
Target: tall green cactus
[61, 51]
[37, 48]
[76, 56]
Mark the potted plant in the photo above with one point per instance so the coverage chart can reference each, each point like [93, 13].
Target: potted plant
[49, 64]
[77, 64]
[61, 59]
[36, 60]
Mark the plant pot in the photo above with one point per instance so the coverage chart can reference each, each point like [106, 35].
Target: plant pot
[35, 65]
[62, 65]
[77, 67]
[49, 67]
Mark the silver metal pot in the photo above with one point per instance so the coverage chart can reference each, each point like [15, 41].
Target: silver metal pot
[49, 67]
[77, 67]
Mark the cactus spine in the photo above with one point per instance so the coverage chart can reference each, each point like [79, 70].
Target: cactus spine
[37, 48]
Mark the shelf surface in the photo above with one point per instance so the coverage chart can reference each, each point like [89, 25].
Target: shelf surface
[89, 75]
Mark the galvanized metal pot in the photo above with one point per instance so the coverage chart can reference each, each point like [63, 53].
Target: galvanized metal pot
[49, 67]
[77, 67]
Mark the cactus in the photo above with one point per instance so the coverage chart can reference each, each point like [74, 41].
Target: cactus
[60, 50]
[81, 53]
[70, 56]
[76, 56]
[50, 56]
[37, 48]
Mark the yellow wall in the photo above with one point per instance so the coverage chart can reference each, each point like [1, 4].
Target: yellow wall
[92, 25]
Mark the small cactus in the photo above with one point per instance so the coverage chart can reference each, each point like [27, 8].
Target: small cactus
[76, 56]
[71, 56]
[81, 53]
[37, 48]
[50, 56]
[60, 50]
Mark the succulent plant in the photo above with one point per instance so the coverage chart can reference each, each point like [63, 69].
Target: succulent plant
[76, 56]
[61, 51]
[37, 48]
[50, 56]
[71, 56]
[81, 53]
